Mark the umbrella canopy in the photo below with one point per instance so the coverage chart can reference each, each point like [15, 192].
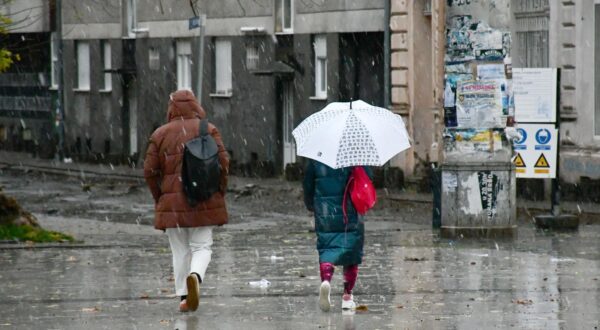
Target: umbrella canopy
[345, 134]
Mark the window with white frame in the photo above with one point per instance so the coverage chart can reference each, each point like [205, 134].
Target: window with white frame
[83, 65]
[252, 57]
[107, 65]
[284, 12]
[320, 48]
[223, 66]
[131, 17]
[54, 61]
[184, 64]
[154, 58]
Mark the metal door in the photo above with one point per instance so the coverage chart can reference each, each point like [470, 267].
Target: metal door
[289, 146]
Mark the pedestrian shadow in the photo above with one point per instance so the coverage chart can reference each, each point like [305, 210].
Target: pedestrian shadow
[186, 322]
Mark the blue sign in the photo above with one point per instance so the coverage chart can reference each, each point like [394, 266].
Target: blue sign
[520, 145]
[543, 136]
[194, 23]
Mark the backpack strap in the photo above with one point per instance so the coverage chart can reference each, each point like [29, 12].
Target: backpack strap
[203, 127]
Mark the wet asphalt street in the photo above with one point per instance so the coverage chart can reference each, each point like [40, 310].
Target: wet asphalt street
[118, 276]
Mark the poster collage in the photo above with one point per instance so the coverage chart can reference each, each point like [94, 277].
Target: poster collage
[478, 101]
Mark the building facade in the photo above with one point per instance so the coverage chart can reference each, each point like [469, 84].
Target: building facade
[574, 47]
[266, 66]
[544, 33]
[417, 80]
[26, 101]
[565, 35]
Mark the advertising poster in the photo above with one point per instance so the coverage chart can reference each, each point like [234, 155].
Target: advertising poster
[479, 104]
[471, 141]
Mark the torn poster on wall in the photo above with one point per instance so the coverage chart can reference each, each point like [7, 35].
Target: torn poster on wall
[454, 74]
[489, 44]
[472, 141]
[488, 188]
[467, 41]
[479, 104]
[458, 40]
[459, 3]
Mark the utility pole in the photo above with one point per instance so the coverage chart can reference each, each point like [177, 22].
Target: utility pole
[201, 58]
[198, 22]
[59, 111]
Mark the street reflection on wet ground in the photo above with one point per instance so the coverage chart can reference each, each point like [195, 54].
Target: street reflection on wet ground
[119, 276]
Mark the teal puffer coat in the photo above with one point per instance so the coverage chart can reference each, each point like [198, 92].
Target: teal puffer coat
[337, 242]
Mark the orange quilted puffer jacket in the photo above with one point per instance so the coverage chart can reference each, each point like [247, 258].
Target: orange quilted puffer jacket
[162, 168]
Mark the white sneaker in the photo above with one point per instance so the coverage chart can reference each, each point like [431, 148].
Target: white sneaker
[324, 296]
[348, 302]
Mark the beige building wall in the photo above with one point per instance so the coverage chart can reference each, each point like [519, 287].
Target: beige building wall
[417, 50]
[572, 41]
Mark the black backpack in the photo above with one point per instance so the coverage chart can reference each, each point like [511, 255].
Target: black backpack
[201, 171]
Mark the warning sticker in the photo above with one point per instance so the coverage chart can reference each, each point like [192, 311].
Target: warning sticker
[537, 155]
[518, 161]
[542, 166]
[542, 162]
[521, 168]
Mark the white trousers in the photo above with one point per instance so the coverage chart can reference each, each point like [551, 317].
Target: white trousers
[191, 248]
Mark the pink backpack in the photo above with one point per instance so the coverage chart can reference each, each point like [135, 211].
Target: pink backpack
[362, 192]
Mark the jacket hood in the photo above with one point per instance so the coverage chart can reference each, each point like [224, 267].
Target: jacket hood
[183, 103]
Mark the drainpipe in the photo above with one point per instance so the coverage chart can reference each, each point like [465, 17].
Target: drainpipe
[386, 56]
[60, 113]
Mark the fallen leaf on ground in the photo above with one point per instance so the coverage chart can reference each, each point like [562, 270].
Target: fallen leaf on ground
[414, 259]
[399, 306]
[90, 309]
[165, 290]
[164, 322]
[71, 258]
[144, 296]
[362, 308]
[473, 263]
[524, 301]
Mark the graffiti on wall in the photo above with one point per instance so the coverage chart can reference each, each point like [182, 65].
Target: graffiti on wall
[488, 188]
[458, 3]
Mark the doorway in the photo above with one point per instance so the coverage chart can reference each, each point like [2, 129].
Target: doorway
[289, 146]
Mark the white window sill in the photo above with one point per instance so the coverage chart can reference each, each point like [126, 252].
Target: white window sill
[81, 90]
[220, 95]
[53, 88]
[318, 98]
[284, 32]
[105, 91]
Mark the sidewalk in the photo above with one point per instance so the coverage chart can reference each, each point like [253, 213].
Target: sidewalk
[120, 278]
[119, 275]
[15, 160]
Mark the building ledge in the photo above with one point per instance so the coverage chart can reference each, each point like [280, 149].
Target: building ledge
[318, 98]
[105, 91]
[81, 90]
[221, 95]
[568, 116]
